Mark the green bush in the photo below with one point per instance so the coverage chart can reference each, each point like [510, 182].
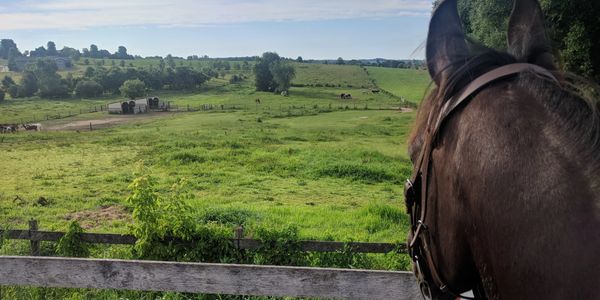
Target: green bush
[70, 244]
[133, 89]
[88, 89]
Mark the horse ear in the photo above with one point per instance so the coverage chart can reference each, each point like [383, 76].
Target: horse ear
[527, 39]
[446, 43]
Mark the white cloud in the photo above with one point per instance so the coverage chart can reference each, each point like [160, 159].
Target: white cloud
[78, 14]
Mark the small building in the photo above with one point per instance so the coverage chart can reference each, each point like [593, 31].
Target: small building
[140, 106]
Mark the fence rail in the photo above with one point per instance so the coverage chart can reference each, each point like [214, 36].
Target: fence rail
[206, 278]
[238, 242]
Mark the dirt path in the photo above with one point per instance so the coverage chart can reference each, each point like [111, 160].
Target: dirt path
[102, 122]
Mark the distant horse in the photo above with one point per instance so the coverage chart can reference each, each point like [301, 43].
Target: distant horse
[9, 128]
[505, 196]
[32, 127]
[257, 101]
[345, 96]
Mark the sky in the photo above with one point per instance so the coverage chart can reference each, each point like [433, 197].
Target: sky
[313, 29]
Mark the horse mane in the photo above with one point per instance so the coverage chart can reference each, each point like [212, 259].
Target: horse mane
[574, 102]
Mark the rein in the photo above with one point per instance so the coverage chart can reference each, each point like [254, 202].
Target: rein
[415, 191]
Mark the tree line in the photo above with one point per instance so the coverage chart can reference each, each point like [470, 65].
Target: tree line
[42, 79]
[8, 47]
[573, 26]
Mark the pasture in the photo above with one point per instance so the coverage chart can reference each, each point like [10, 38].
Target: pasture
[407, 83]
[332, 168]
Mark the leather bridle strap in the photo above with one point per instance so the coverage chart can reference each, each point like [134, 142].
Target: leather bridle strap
[485, 79]
[419, 246]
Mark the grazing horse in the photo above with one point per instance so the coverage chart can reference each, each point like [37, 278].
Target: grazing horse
[32, 127]
[8, 128]
[505, 196]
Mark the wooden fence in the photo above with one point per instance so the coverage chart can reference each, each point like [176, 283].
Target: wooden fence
[35, 236]
[206, 278]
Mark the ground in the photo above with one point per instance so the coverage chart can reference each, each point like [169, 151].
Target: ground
[332, 167]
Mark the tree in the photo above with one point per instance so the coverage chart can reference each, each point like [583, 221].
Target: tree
[51, 49]
[89, 72]
[340, 61]
[7, 82]
[28, 86]
[262, 71]
[299, 59]
[88, 89]
[12, 63]
[133, 89]
[70, 52]
[171, 61]
[94, 51]
[283, 74]
[122, 53]
[573, 25]
[50, 84]
[5, 46]
[38, 52]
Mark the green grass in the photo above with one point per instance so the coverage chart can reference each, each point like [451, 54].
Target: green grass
[326, 166]
[344, 76]
[408, 83]
[320, 172]
[309, 159]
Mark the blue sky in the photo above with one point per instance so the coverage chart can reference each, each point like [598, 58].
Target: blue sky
[219, 28]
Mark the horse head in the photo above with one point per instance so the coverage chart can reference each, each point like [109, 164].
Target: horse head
[496, 154]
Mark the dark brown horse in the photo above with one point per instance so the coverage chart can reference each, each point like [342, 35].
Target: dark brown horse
[513, 178]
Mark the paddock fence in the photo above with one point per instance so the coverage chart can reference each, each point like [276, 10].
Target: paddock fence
[238, 240]
[203, 278]
[230, 279]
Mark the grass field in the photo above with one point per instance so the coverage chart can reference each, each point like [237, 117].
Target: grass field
[332, 168]
[344, 76]
[310, 159]
[407, 83]
[328, 173]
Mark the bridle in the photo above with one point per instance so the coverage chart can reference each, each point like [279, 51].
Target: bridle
[415, 192]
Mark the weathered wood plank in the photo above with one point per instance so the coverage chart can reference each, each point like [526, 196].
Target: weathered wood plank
[206, 278]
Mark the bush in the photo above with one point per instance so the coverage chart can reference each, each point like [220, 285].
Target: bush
[2, 95]
[88, 89]
[70, 244]
[133, 89]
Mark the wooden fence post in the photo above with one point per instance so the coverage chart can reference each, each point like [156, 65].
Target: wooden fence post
[238, 234]
[35, 245]
[91, 126]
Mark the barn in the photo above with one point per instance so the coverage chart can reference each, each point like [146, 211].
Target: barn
[131, 107]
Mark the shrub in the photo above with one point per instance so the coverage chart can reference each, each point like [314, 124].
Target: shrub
[133, 88]
[2, 95]
[70, 244]
[88, 89]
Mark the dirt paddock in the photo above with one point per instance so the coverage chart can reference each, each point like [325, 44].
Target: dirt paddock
[101, 122]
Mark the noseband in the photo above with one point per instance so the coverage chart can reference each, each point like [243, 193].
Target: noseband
[415, 192]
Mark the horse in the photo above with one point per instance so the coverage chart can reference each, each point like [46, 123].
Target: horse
[8, 128]
[32, 127]
[504, 199]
